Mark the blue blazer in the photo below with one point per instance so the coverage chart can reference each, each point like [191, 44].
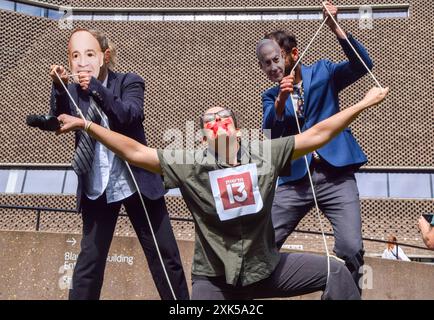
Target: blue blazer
[122, 102]
[322, 82]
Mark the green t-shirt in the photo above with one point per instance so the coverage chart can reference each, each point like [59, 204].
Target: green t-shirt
[231, 207]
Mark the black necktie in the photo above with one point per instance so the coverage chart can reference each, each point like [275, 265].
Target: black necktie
[300, 101]
[85, 151]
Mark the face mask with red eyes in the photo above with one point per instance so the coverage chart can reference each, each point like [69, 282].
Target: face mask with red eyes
[214, 126]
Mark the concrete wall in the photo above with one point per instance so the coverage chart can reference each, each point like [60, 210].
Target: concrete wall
[36, 265]
[183, 62]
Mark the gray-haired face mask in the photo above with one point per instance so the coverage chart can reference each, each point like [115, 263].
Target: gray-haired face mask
[271, 60]
[85, 54]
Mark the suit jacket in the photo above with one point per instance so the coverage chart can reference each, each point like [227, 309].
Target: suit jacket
[322, 82]
[122, 102]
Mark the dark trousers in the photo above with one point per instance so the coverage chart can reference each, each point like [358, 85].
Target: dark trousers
[296, 274]
[99, 221]
[338, 199]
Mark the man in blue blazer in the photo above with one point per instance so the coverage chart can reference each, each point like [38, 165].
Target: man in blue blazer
[315, 91]
[104, 182]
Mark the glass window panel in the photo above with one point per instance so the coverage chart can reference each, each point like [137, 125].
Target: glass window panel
[14, 181]
[145, 17]
[121, 17]
[174, 192]
[210, 17]
[179, 17]
[390, 14]
[242, 16]
[110, 17]
[432, 186]
[30, 9]
[348, 15]
[7, 5]
[4, 174]
[44, 181]
[409, 185]
[84, 16]
[70, 183]
[310, 15]
[274, 16]
[55, 14]
[372, 185]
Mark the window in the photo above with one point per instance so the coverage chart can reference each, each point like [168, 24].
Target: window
[274, 16]
[379, 12]
[178, 17]
[4, 174]
[84, 16]
[54, 14]
[44, 181]
[242, 16]
[372, 185]
[145, 17]
[348, 15]
[30, 9]
[210, 17]
[310, 15]
[7, 5]
[70, 185]
[174, 193]
[432, 186]
[395, 185]
[409, 185]
[384, 14]
[14, 181]
[110, 17]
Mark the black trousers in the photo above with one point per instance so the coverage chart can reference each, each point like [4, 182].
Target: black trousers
[296, 274]
[99, 221]
[338, 199]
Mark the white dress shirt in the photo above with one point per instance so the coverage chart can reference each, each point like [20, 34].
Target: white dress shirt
[394, 254]
[109, 173]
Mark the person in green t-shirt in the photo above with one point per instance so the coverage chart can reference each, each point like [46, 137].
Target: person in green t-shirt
[229, 189]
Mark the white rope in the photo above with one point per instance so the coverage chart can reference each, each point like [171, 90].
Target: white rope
[318, 213]
[351, 45]
[77, 109]
[135, 184]
[305, 157]
[308, 46]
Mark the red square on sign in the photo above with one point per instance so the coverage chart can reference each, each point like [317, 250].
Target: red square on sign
[236, 190]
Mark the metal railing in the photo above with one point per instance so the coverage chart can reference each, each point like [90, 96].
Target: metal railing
[39, 210]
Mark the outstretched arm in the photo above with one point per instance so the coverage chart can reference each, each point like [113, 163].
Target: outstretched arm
[326, 130]
[128, 149]
[427, 232]
[346, 72]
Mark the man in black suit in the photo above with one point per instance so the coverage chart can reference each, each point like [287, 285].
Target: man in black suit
[114, 100]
